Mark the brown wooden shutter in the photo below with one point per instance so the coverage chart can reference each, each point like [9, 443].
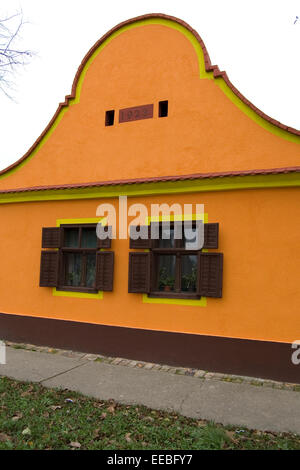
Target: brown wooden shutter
[141, 243]
[106, 243]
[139, 272]
[210, 274]
[51, 237]
[105, 270]
[211, 235]
[49, 269]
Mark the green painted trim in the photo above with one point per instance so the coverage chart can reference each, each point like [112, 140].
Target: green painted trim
[225, 183]
[253, 115]
[39, 145]
[171, 217]
[80, 295]
[89, 220]
[193, 303]
[203, 74]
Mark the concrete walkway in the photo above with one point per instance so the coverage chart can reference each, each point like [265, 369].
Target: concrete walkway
[240, 404]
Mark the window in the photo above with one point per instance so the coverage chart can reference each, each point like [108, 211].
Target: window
[78, 259]
[174, 262]
[163, 109]
[176, 268]
[76, 264]
[110, 117]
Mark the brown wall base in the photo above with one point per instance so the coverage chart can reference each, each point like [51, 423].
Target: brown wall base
[264, 359]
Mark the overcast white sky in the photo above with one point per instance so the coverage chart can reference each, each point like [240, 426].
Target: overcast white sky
[255, 41]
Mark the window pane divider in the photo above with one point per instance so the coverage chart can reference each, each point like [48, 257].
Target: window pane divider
[174, 251]
[79, 250]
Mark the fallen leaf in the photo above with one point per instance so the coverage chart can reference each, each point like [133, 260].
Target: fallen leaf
[111, 409]
[103, 415]
[149, 418]
[17, 416]
[201, 423]
[76, 445]
[27, 392]
[55, 407]
[231, 435]
[26, 431]
[98, 405]
[4, 437]
[127, 437]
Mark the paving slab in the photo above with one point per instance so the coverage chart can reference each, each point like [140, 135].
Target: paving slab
[155, 389]
[237, 404]
[36, 366]
[261, 408]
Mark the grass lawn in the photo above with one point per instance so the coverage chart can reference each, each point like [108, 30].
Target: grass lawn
[34, 417]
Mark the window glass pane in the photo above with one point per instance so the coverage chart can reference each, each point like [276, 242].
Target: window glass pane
[193, 236]
[190, 241]
[71, 237]
[73, 268]
[166, 237]
[89, 238]
[189, 273]
[90, 269]
[166, 272]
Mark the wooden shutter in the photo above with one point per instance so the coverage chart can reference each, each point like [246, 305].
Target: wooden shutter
[210, 274]
[139, 272]
[51, 237]
[106, 243]
[211, 235]
[141, 243]
[105, 270]
[49, 269]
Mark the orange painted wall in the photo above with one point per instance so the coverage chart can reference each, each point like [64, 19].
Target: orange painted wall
[204, 132]
[259, 236]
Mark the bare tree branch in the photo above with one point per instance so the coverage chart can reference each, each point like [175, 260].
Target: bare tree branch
[11, 58]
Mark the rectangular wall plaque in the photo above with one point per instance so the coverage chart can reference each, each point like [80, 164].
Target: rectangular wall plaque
[137, 112]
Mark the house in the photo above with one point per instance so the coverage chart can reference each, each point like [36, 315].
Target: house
[151, 123]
